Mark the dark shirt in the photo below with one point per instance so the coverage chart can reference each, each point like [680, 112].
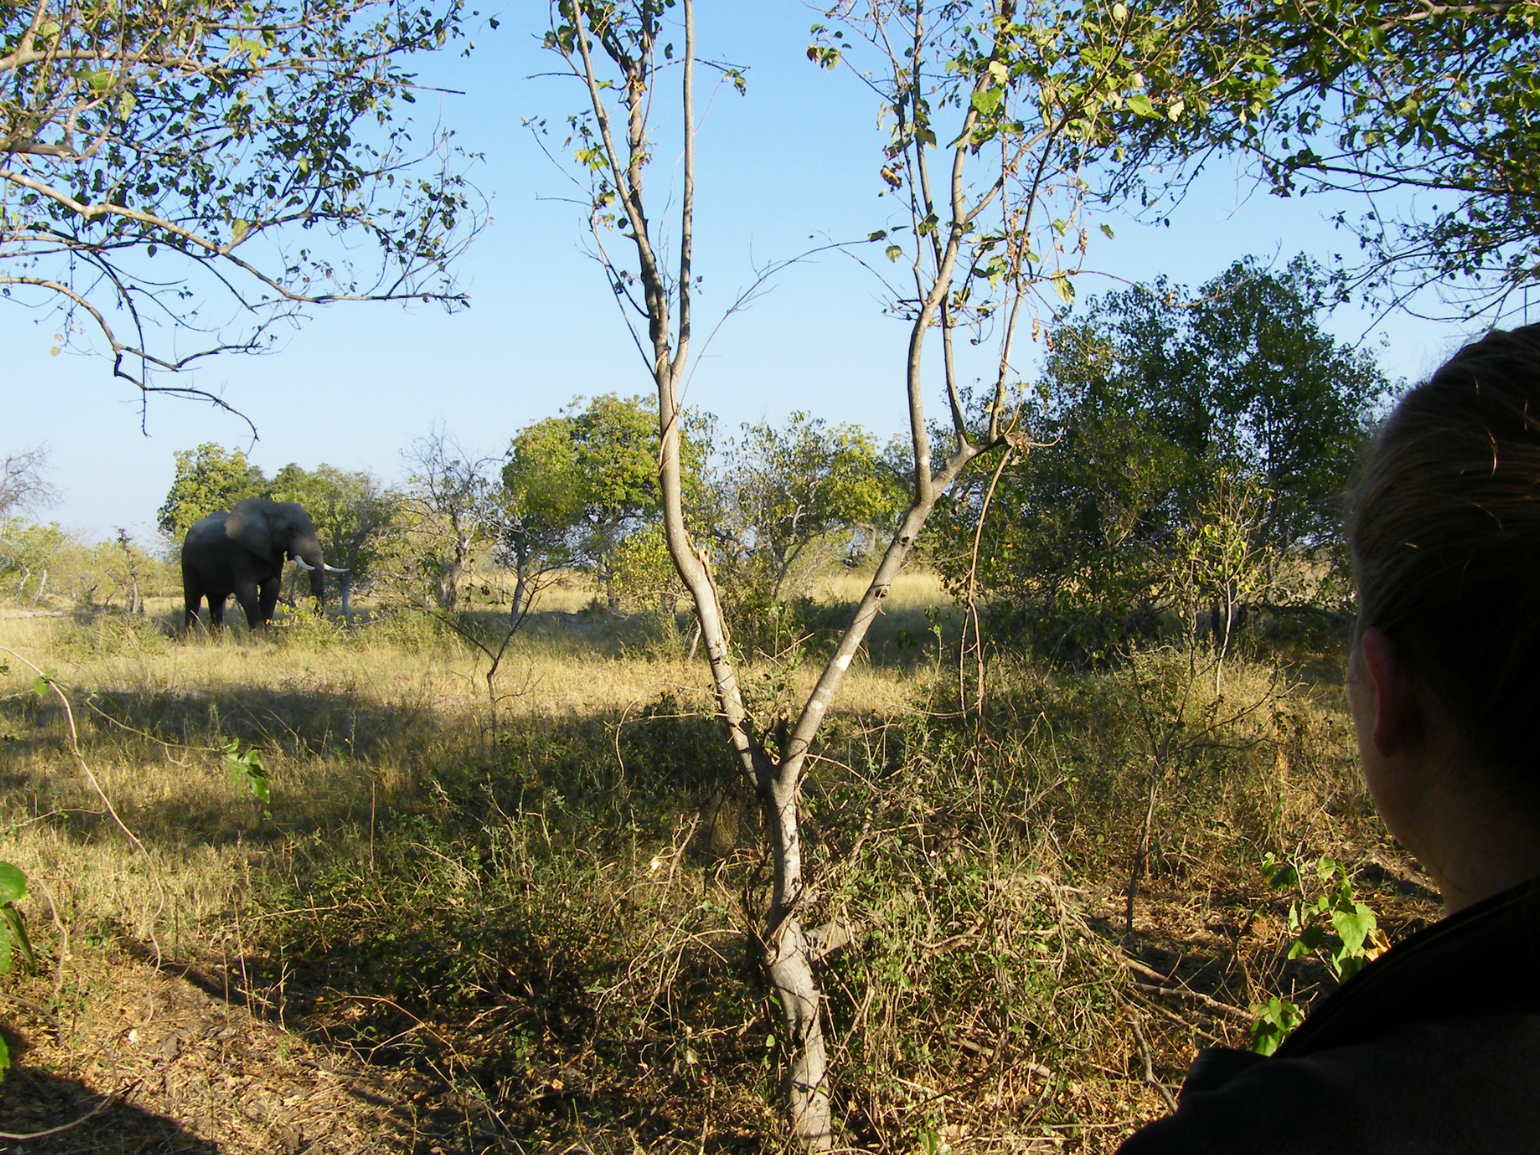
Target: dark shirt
[1433, 1047]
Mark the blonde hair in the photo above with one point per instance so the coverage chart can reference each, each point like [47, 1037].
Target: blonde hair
[1446, 545]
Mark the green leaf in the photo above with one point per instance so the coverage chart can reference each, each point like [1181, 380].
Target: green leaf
[246, 768]
[1062, 286]
[1353, 927]
[987, 101]
[1275, 1019]
[238, 230]
[894, 252]
[1107, 230]
[1309, 938]
[13, 883]
[11, 918]
[40, 687]
[1141, 104]
[5, 1058]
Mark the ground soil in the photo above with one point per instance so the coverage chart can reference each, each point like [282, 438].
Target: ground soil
[153, 1061]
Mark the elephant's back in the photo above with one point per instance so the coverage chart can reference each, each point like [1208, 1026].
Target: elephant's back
[205, 532]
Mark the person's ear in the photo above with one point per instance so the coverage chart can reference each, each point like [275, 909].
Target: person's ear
[1397, 706]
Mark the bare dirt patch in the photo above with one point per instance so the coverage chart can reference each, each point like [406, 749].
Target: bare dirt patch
[149, 1061]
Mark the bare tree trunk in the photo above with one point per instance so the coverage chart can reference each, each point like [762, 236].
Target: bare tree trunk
[519, 584]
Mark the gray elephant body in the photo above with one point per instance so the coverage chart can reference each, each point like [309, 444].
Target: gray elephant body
[242, 553]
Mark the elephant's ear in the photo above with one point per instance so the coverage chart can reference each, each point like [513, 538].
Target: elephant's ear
[250, 530]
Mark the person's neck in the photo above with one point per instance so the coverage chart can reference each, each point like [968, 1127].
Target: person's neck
[1478, 843]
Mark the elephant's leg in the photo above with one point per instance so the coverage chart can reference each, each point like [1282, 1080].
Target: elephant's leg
[217, 611]
[246, 593]
[270, 591]
[192, 593]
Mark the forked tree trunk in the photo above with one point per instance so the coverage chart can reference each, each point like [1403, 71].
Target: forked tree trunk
[791, 948]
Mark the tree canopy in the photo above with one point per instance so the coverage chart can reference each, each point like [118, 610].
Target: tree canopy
[212, 167]
[577, 485]
[1158, 419]
[208, 479]
[786, 491]
[1434, 102]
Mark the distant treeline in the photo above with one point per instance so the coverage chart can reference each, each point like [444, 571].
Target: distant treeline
[1180, 462]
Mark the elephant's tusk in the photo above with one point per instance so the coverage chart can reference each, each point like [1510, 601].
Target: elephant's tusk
[335, 569]
[299, 561]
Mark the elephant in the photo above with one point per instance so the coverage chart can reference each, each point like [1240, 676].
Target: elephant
[242, 553]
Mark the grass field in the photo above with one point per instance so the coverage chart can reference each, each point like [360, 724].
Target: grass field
[518, 917]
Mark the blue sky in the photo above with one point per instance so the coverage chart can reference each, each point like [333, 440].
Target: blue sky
[794, 159]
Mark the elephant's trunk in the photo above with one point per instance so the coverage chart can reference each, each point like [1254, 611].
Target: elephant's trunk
[307, 555]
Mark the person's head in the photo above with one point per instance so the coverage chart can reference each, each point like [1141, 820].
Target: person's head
[1445, 537]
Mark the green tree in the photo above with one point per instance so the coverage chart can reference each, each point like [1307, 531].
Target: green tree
[541, 507]
[208, 479]
[214, 168]
[354, 516]
[1436, 101]
[577, 485]
[1286, 403]
[130, 571]
[28, 551]
[791, 497]
[1157, 416]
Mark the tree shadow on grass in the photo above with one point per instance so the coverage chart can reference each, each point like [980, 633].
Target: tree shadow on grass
[333, 758]
[65, 1117]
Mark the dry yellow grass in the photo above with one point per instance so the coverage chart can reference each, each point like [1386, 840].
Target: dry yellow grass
[153, 711]
[549, 917]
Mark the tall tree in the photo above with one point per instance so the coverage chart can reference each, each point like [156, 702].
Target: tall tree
[541, 507]
[996, 108]
[579, 484]
[211, 168]
[784, 492]
[208, 479]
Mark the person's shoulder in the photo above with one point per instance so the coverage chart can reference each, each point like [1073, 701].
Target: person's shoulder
[1465, 1083]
